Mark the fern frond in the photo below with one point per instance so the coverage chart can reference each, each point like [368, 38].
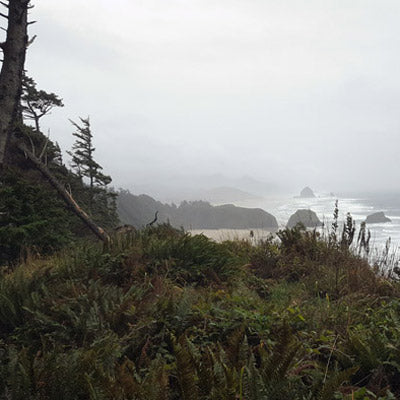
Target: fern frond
[185, 370]
[334, 383]
[252, 382]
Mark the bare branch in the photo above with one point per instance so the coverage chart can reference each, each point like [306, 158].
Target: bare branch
[32, 145]
[30, 41]
[44, 146]
[32, 22]
[154, 220]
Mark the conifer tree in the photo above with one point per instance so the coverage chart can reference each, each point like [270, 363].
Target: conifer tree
[100, 200]
[11, 77]
[36, 103]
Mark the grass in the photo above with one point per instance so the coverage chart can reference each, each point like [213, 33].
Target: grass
[162, 314]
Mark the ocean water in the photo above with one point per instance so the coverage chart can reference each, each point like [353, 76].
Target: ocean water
[358, 205]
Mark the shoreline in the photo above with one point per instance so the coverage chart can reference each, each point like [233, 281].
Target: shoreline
[220, 235]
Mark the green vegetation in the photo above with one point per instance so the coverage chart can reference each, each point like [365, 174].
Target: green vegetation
[33, 218]
[100, 202]
[161, 314]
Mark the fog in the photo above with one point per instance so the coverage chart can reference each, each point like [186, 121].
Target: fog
[290, 93]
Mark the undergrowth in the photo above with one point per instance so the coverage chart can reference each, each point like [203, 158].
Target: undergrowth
[161, 314]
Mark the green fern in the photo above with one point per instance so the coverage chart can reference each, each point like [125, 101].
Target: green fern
[185, 371]
[334, 382]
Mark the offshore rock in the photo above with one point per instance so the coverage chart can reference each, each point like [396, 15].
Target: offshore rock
[377, 218]
[307, 193]
[306, 217]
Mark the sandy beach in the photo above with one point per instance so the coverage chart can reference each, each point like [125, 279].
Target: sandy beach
[219, 235]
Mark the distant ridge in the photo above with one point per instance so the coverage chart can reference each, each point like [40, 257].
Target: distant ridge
[195, 187]
[226, 194]
[139, 210]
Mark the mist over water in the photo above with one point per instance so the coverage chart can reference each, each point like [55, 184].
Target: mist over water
[358, 205]
[288, 91]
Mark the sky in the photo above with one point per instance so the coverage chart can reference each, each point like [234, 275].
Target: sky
[296, 92]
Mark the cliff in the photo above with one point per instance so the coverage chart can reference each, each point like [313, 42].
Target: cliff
[139, 210]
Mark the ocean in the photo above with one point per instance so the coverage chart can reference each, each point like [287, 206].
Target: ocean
[358, 205]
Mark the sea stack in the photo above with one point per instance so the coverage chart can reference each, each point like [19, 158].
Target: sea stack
[377, 218]
[307, 193]
[306, 217]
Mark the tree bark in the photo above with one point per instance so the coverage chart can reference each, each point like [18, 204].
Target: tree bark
[67, 197]
[14, 50]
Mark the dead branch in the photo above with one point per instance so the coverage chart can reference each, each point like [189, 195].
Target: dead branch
[67, 197]
[31, 40]
[44, 146]
[154, 220]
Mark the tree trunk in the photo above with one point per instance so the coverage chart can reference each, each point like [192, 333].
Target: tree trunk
[14, 49]
[67, 197]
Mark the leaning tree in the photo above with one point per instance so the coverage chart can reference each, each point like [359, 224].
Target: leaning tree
[11, 78]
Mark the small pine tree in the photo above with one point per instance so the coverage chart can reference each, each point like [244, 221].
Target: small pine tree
[35, 103]
[100, 201]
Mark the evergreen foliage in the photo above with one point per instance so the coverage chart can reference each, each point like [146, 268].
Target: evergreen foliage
[100, 201]
[144, 319]
[35, 104]
[33, 219]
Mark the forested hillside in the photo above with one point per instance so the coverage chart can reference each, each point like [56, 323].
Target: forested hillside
[139, 210]
[33, 217]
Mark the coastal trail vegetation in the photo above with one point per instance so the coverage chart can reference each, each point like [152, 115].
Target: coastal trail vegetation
[162, 314]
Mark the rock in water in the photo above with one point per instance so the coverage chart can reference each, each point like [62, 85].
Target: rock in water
[306, 217]
[307, 193]
[377, 218]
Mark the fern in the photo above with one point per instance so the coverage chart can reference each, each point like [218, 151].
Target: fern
[252, 381]
[334, 382]
[185, 370]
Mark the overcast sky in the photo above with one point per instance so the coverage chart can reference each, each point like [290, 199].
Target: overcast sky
[303, 92]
